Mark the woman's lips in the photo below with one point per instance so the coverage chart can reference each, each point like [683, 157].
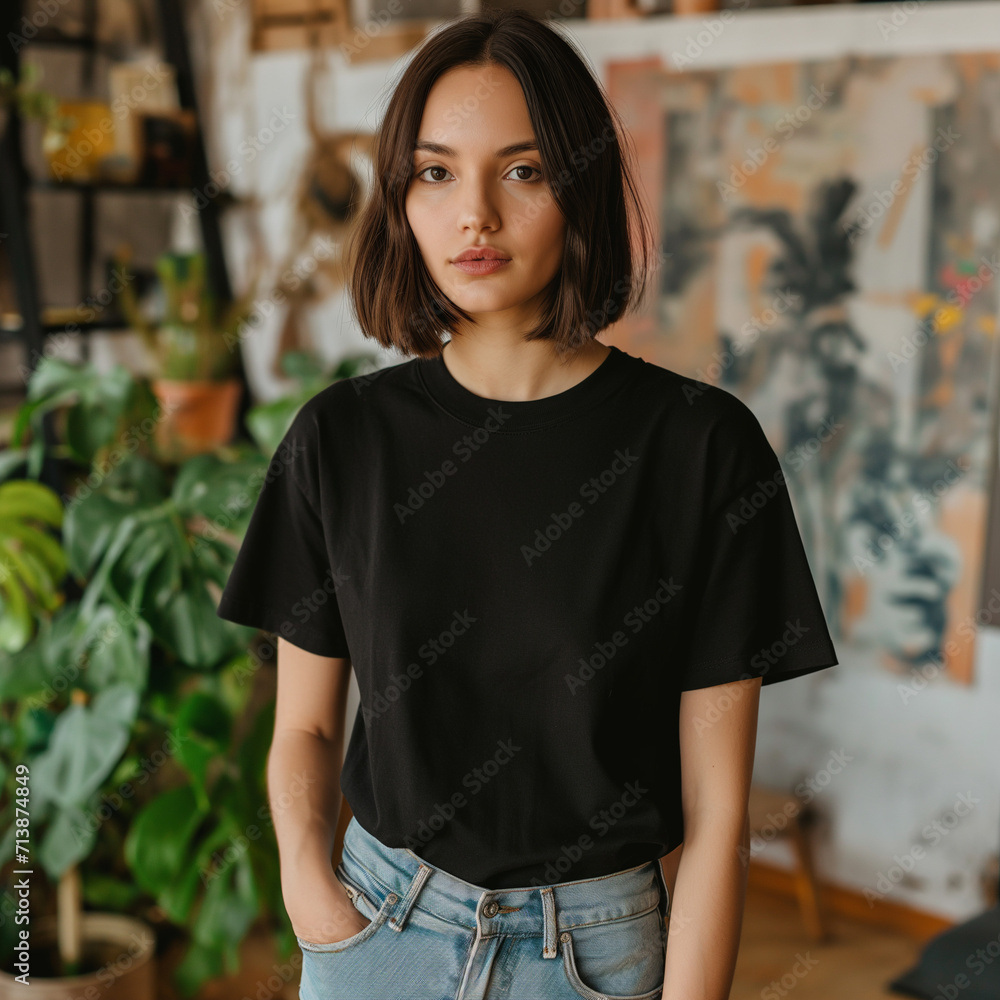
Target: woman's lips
[486, 266]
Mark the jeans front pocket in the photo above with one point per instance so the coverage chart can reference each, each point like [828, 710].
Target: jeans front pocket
[377, 916]
[616, 959]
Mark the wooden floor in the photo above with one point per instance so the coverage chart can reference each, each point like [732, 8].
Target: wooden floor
[854, 964]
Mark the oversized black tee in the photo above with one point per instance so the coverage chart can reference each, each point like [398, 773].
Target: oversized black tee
[524, 590]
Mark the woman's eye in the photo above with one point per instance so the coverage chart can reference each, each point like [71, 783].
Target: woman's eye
[525, 166]
[424, 171]
[437, 179]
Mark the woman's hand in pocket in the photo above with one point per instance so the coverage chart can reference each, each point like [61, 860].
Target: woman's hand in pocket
[321, 912]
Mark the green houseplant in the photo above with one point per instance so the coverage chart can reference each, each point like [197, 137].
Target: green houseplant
[57, 758]
[135, 666]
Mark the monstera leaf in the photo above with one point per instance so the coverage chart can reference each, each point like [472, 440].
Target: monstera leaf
[32, 562]
[151, 553]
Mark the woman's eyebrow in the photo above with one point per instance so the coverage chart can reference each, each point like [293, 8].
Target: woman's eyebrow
[512, 150]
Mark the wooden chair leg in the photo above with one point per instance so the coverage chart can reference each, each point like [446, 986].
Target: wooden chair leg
[806, 886]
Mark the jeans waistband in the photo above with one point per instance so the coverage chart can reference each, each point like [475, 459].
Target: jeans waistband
[546, 909]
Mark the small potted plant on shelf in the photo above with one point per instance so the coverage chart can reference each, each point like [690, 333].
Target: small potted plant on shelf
[30, 101]
[195, 343]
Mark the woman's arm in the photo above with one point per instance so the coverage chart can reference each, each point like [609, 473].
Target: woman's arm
[303, 783]
[718, 735]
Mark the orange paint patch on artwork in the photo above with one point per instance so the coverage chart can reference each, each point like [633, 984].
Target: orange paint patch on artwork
[766, 189]
[963, 519]
[972, 66]
[949, 352]
[854, 602]
[698, 339]
[776, 83]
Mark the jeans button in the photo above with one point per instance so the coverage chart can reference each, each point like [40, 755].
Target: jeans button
[491, 909]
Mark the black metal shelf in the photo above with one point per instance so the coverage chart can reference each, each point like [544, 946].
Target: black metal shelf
[57, 40]
[224, 197]
[99, 186]
[16, 183]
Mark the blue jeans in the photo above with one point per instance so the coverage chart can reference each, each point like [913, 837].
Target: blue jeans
[432, 936]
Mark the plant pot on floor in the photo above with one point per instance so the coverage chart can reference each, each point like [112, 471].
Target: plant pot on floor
[197, 416]
[118, 956]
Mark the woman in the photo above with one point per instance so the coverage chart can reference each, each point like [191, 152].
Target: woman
[561, 575]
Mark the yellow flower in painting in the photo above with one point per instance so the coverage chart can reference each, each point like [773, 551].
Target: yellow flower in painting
[946, 317]
[923, 304]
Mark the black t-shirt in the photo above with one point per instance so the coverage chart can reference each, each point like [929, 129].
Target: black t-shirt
[524, 590]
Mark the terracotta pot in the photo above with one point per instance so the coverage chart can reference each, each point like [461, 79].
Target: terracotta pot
[687, 8]
[196, 416]
[120, 949]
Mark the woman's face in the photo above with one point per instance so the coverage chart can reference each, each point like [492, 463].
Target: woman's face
[477, 180]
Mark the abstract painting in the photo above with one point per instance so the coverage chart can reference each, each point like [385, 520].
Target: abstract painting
[829, 234]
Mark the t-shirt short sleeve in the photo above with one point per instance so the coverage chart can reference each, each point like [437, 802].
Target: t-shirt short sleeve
[756, 610]
[282, 580]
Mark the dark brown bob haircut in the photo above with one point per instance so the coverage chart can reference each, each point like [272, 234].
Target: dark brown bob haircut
[587, 161]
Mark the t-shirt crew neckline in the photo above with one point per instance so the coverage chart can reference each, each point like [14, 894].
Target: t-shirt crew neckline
[527, 414]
